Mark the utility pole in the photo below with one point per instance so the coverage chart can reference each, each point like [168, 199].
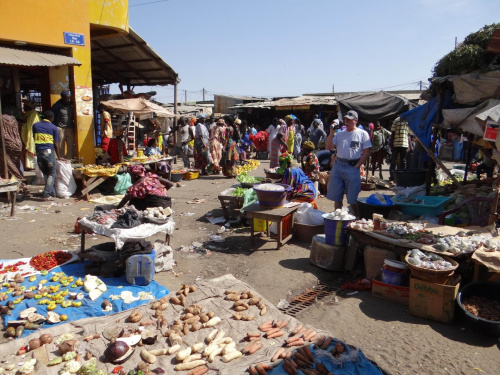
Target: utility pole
[185, 97]
[203, 94]
[333, 88]
[420, 85]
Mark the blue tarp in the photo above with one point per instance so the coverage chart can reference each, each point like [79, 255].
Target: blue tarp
[89, 308]
[420, 120]
[355, 364]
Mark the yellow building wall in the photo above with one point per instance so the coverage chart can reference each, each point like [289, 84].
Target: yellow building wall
[109, 13]
[43, 23]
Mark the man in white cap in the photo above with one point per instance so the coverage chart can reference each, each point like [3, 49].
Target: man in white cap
[353, 148]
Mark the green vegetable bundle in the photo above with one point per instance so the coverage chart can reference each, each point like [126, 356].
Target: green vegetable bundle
[239, 192]
[245, 178]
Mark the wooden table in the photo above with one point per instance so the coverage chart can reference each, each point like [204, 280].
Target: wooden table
[84, 229]
[12, 189]
[277, 215]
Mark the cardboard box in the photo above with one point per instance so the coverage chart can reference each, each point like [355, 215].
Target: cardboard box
[434, 301]
[394, 293]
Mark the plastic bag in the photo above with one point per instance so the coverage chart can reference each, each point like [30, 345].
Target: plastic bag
[39, 180]
[164, 260]
[375, 199]
[250, 196]
[123, 183]
[406, 192]
[64, 184]
[306, 214]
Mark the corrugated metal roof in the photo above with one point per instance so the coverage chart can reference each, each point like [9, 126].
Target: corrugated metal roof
[18, 57]
[129, 60]
[286, 102]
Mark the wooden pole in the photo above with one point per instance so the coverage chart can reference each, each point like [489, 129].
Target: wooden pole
[467, 158]
[2, 135]
[175, 111]
[440, 163]
[4, 153]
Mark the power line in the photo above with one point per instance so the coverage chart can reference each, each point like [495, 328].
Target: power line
[417, 81]
[151, 2]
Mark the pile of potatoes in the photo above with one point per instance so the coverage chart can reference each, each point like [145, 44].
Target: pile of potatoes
[242, 302]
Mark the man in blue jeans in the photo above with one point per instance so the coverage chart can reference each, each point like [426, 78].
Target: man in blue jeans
[353, 148]
[46, 136]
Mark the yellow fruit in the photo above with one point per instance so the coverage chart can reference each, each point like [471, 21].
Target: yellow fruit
[51, 306]
[63, 317]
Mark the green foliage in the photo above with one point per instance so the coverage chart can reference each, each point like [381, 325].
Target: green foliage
[482, 37]
[470, 56]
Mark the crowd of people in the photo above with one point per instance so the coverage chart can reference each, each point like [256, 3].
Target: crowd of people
[219, 146]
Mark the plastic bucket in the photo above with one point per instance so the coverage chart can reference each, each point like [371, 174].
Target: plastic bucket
[140, 152]
[272, 198]
[394, 278]
[409, 178]
[335, 232]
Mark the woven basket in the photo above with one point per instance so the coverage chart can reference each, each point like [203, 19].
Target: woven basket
[434, 276]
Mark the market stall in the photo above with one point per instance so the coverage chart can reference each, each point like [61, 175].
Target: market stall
[220, 325]
[136, 109]
[403, 236]
[50, 289]
[104, 222]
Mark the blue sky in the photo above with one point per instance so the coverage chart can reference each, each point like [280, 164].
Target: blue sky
[291, 47]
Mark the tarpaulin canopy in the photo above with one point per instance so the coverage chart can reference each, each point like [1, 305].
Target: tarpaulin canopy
[420, 120]
[141, 107]
[473, 88]
[375, 106]
[471, 120]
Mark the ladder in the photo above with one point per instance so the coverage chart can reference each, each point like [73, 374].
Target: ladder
[131, 141]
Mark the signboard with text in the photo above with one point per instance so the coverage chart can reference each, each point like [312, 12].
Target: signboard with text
[491, 131]
[74, 39]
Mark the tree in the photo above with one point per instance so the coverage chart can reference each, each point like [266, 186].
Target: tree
[469, 56]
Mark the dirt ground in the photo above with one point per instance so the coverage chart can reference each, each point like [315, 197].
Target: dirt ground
[385, 331]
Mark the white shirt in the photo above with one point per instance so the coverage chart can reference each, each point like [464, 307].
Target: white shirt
[350, 145]
[273, 132]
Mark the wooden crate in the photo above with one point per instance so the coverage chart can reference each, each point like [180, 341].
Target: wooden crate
[231, 206]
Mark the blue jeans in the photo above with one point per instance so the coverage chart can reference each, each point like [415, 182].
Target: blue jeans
[344, 178]
[46, 160]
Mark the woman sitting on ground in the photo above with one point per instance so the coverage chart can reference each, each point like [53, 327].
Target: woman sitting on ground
[302, 187]
[152, 148]
[309, 161]
[148, 190]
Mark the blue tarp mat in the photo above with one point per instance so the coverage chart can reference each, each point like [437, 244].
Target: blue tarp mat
[89, 308]
[352, 362]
